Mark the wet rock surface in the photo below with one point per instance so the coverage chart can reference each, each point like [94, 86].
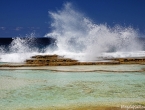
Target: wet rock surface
[55, 60]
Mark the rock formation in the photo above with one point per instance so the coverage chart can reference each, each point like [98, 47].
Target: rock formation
[55, 60]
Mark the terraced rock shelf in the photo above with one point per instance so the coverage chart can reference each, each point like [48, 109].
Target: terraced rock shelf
[55, 60]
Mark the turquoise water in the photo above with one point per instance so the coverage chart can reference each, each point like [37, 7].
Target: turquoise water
[23, 89]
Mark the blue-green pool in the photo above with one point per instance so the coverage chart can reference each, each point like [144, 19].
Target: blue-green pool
[30, 89]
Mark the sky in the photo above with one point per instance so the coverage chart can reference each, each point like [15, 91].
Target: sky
[19, 18]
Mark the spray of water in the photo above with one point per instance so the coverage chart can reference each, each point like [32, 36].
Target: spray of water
[77, 34]
[19, 50]
[77, 37]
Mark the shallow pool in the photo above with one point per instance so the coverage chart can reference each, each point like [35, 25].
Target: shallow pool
[30, 89]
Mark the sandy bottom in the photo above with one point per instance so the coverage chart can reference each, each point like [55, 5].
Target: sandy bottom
[119, 87]
[84, 68]
[79, 108]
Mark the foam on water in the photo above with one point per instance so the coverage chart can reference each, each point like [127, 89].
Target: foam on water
[79, 38]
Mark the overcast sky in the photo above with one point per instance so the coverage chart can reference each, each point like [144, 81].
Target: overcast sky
[22, 17]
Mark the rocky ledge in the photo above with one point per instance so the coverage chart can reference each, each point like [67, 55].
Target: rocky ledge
[55, 60]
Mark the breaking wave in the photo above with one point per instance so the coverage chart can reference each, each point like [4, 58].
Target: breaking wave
[18, 50]
[76, 36]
